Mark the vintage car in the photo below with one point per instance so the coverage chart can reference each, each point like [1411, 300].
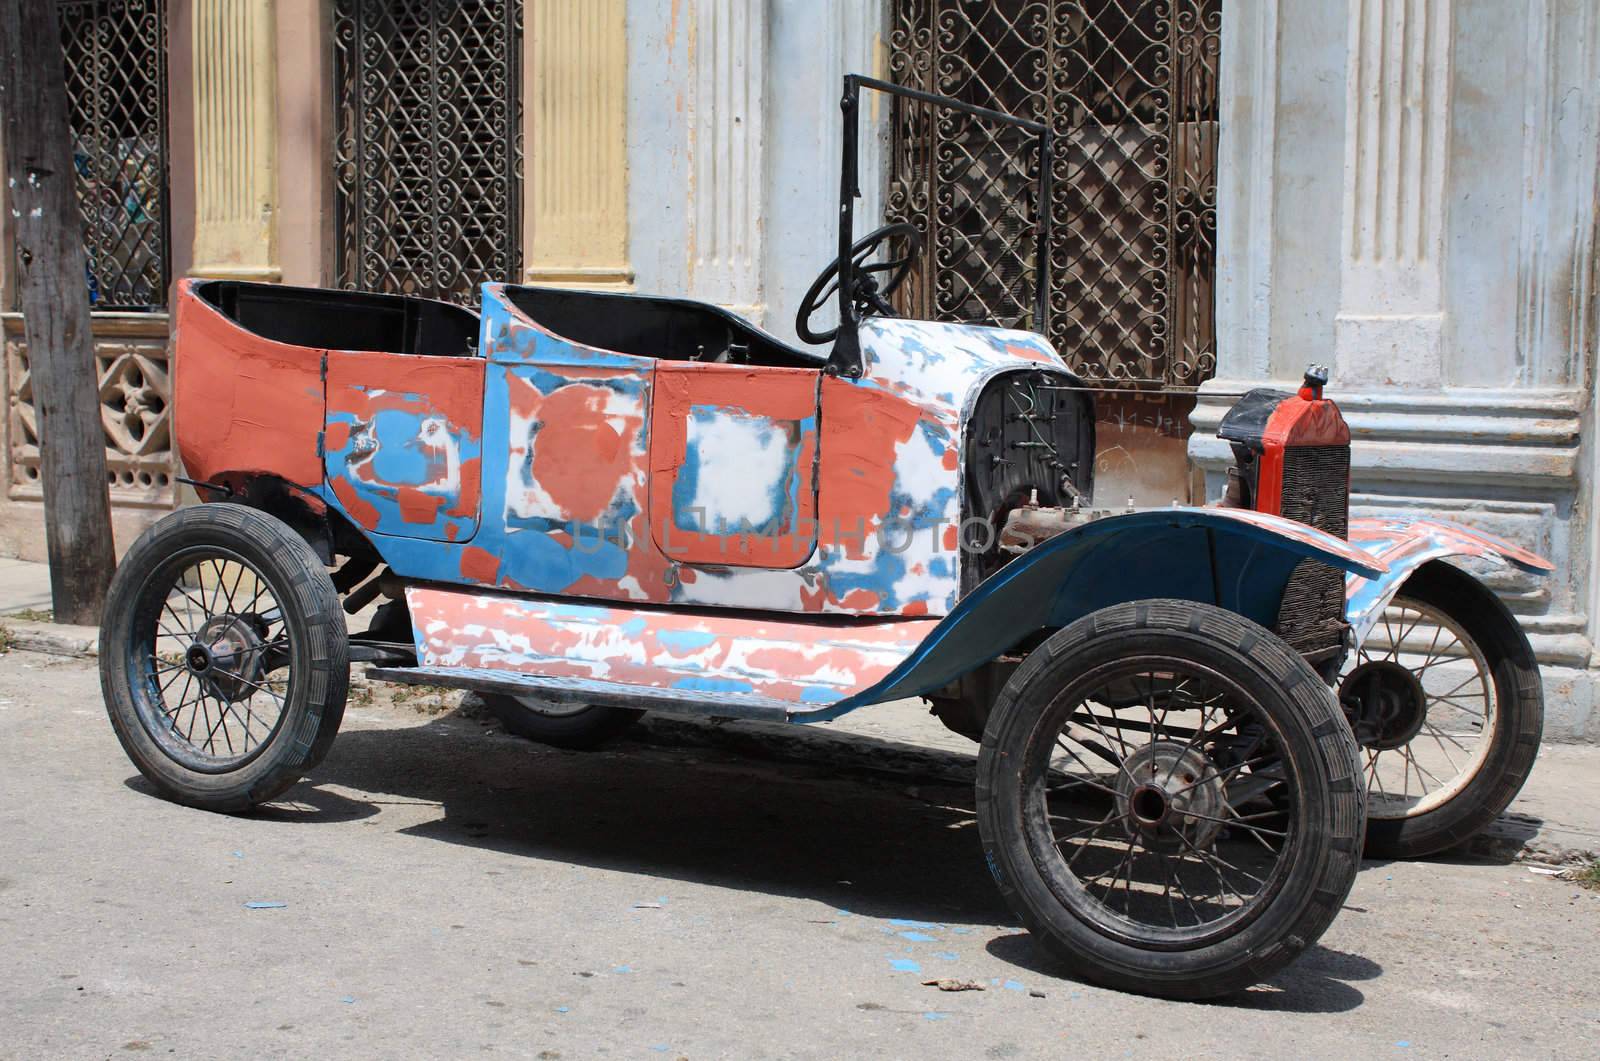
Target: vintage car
[584, 506]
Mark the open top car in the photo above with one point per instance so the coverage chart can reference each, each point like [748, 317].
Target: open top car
[585, 506]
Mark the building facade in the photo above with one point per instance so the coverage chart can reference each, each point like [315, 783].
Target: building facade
[1402, 189]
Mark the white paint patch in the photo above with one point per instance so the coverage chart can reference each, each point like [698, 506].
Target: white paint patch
[743, 464]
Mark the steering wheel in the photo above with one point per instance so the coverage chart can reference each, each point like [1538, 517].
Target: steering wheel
[867, 296]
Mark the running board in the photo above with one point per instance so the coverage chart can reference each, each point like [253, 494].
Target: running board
[748, 706]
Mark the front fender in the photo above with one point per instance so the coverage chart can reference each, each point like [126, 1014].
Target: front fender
[1233, 558]
[1404, 545]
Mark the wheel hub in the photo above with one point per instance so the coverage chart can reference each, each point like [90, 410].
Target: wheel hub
[227, 656]
[1171, 797]
[1385, 703]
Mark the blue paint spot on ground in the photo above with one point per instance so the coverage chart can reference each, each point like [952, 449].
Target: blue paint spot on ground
[623, 969]
[917, 937]
[904, 922]
[933, 1015]
[904, 965]
[265, 904]
[561, 1009]
[1013, 985]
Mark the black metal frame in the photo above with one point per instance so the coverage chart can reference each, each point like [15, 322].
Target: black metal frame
[846, 357]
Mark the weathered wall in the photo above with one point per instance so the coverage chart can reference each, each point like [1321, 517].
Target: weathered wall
[1407, 191]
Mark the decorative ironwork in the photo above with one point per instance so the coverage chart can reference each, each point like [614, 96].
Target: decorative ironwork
[1129, 88]
[130, 352]
[428, 154]
[115, 56]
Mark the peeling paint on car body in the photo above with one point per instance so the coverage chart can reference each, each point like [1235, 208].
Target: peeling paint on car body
[1404, 545]
[586, 488]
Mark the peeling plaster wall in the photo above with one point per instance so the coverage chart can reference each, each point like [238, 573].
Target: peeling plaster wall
[1407, 191]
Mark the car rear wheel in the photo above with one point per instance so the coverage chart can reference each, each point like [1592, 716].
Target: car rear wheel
[561, 725]
[1446, 704]
[1168, 798]
[224, 659]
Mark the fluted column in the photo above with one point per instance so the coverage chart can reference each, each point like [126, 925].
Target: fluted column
[235, 133]
[1391, 322]
[576, 214]
[726, 144]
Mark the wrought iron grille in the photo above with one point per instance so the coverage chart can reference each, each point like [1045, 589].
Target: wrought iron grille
[428, 155]
[1129, 88]
[115, 56]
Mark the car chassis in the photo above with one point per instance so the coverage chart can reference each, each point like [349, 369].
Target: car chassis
[585, 505]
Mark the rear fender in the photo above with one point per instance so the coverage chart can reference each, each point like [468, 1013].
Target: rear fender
[1233, 558]
[1403, 546]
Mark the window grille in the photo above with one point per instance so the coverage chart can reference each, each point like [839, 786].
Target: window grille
[428, 154]
[1129, 88]
[115, 55]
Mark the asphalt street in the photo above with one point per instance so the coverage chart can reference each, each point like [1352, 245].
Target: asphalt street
[439, 888]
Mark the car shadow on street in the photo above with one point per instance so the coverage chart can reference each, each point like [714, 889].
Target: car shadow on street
[817, 822]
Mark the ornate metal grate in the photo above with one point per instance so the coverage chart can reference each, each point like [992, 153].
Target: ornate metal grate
[428, 155]
[1129, 88]
[115, 52]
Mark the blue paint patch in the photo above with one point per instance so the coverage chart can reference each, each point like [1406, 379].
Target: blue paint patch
[265, 904]
[904, 965]
[633, 628]
[1014, 985]
[684, 642]
[947, 955]
[934, 1015]
[623, 969]
[819, 694]
[906, 922]
[917, 937]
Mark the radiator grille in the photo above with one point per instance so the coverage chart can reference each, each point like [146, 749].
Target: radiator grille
[1316, 491]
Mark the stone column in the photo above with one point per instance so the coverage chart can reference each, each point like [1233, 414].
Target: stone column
[1390, 327]
[576, 198]
[1407, 192]
[726, 103]
[235, 137]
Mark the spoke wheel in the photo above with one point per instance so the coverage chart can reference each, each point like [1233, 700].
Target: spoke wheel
[1445, 701]
[1168, 799]
[1161, 809]
[220, 666]
[223, 656]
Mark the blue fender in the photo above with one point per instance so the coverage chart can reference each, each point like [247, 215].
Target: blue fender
[1233, 558]
[1403, 545]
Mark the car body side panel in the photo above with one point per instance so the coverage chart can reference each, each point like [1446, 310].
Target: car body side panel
[733, 458]
[822, 666]
[567, 442]
[402, 443]
[243, 405]
[1404, 545]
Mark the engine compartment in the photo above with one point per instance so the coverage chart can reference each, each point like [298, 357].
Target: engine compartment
[1029, 443]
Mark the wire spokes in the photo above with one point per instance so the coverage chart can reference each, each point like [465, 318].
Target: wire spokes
[216, 663]
[1422, 702]
[1166, 800]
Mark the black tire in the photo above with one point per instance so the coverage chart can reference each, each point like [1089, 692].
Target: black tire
[1090, 670]
[580, 727]
[1490, 769]
[297, 678]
